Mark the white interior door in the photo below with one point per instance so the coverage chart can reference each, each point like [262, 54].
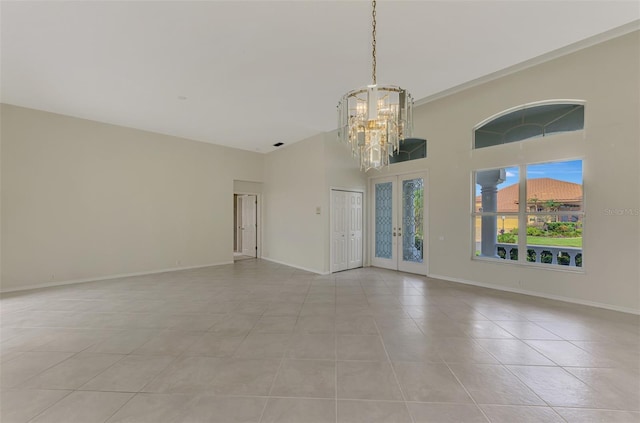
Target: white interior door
[346, 230]
[354, 230]
[249, 221]
[399, 230]
[339, 259]
[238, 230]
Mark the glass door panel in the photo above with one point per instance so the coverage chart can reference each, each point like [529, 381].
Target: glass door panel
[399, 223]
[412, 219]
[412, 233]
[384, 233]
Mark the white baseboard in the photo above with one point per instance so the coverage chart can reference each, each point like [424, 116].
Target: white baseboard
[317, 272]
[538, 294]
[104, 278]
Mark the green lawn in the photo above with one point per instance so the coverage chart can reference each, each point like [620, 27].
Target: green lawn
[554, 242]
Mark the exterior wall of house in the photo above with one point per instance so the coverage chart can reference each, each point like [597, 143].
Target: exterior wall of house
[86, 200]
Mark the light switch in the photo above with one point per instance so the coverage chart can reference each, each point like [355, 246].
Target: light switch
[317, 209]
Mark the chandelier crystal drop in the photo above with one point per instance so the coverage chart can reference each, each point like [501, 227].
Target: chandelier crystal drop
[375, 119]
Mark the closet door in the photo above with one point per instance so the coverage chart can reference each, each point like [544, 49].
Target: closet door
[346, 230]
[354, 230]
[339, 259]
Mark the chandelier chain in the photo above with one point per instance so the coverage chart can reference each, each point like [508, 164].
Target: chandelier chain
[373, 43]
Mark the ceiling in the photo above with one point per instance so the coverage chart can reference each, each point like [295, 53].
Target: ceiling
[248, 74]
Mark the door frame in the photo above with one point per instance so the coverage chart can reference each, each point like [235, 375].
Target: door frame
[364, 225]
[258, 220]
[425, 246]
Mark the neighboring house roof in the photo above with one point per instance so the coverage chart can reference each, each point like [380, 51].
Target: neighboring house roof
[543, 189]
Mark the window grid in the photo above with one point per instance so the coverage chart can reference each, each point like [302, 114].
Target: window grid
[523, 220]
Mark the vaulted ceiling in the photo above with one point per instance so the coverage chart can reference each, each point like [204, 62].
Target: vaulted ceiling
[248, 74]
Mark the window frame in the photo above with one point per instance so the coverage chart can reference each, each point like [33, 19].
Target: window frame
[523, 216]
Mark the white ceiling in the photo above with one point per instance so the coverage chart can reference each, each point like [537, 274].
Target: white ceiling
[258, 72]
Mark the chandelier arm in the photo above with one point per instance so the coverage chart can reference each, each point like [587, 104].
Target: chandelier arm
[373, 43]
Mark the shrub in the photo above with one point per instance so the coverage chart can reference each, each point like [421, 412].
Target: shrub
[564, 259]
[535, 231]
[507, 238]
[514, 254]
[561, 226]
[531, 255]
[546, 257]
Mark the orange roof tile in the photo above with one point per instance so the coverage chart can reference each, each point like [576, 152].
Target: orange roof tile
[542, 189]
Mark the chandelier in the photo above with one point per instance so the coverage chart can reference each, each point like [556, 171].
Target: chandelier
[374, 119]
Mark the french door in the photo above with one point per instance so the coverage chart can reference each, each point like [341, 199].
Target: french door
[399, 229]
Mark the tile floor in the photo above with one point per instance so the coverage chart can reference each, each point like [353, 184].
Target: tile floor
[260, 342]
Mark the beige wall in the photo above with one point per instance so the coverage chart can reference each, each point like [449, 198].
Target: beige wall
[294, 183]
[298, 178]
[84, 200]
[606, 77]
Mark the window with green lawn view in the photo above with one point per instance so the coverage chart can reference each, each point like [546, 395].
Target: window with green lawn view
[530, 214]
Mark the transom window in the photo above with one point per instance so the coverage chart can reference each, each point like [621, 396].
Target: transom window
[530, 121]
[410, 149]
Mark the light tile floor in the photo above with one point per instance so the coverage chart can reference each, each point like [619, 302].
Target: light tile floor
[260, 342]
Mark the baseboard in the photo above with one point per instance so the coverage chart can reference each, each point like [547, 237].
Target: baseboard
[295, 266]
[538, 294]
[105, 278]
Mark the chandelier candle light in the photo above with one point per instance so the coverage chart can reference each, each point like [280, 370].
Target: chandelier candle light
[374, 119]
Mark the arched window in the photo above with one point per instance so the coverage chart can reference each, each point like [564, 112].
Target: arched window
[530, 121]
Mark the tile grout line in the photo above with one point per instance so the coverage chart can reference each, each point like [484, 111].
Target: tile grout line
[506, 367]
[275, 376]
[467, 391]
[395, 376]
[119, 408]
[48, 407]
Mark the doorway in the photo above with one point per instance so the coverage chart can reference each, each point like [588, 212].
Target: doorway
[346, 230]
[245, 227]
[399, 234]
